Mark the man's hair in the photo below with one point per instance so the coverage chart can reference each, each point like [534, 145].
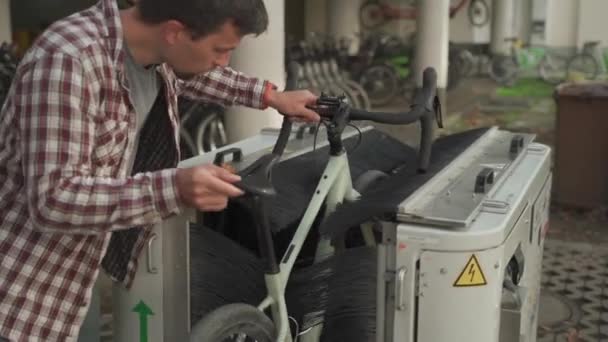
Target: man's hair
[203, 17]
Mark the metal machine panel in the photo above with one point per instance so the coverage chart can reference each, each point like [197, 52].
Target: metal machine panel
[446, 284]
[467, 312]
[454, 196]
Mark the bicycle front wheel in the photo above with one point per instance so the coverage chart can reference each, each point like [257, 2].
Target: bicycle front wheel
[552, 69]
[234, 323]
[478, 13]
[583, 65]
[371, 15]
[381, 83]
[504, 70]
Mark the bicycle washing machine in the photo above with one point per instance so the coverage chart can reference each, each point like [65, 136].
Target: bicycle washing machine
[459, 261]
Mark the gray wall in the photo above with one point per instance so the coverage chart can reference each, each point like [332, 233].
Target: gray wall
[5, 21]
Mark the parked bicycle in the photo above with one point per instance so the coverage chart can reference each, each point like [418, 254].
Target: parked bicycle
[506, 69]
[589, 62]
[320, 70]
[202, 127]
[8, 68]
[478, 13]
[375, 13]
[388, 72]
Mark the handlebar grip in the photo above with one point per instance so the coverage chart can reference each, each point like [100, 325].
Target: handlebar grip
[291, 83]
[426, 98]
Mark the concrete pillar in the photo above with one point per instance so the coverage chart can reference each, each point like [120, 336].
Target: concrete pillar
[523, 19]
[502, 26]
[5, 21]
[561, 28]
[316, 15]
[343, 20]
[592, 22]
[432, 38]
[262, 57]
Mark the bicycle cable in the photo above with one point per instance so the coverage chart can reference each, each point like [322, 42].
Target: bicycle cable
[359, 138]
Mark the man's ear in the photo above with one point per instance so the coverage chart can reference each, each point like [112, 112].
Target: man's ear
[173, 31]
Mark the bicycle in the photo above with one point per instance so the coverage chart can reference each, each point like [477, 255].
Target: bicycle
[506, 69]
[202, 127]
[589, 62]
[375, 13]
[478, 13]
[8, 68]
[241, 322]
[388, 72]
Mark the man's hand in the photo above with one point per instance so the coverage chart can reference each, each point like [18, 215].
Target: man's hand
[293, 104]
[207, 188]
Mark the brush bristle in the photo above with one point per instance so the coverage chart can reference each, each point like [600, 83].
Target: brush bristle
[339, 291]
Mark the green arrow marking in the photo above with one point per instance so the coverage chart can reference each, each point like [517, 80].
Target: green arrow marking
[144, 311]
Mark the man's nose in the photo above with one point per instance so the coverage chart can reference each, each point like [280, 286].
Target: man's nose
[223, 60]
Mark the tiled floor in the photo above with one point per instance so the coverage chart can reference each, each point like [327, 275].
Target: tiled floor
[578, 273]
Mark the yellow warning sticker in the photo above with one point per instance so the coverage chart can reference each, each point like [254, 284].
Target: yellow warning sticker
[471, 275]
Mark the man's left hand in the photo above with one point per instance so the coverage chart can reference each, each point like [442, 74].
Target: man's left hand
[293, 104]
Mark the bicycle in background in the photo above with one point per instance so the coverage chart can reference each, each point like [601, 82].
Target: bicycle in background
[590, 62]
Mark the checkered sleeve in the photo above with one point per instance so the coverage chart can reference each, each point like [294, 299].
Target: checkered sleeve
[55, 103]
[227, 87]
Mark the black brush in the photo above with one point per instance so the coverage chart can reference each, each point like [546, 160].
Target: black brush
[385, 197]
[339, 291]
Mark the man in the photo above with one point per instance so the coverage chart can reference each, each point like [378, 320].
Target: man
[88, 147]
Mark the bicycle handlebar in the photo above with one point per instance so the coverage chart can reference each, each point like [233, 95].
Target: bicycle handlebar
[422, 104]
[425, 108]
[285, 133]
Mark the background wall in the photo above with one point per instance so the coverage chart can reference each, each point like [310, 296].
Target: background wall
[593, 24]
[5, 21]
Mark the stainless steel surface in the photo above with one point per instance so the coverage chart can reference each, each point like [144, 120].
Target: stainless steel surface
[449, 198]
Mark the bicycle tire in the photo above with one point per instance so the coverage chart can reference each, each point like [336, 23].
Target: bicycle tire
[467, 63]
[472, 13]
[550, 72]
[226, 321]
[504, 70]
[202, 138]
[371, 78]
[584, 64]
[361, 93]
[367, 13]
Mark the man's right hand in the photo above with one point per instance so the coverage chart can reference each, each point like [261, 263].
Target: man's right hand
[207, 188]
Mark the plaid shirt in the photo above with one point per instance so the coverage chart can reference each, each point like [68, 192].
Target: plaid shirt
[67, 132]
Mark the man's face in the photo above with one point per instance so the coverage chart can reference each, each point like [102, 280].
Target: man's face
[188, 56]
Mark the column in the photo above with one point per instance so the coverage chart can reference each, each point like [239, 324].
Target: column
[502, 26]
[316, 15]
[262, 57]
[5, 21]
[343, 20]
[523, 19]
[561, 28]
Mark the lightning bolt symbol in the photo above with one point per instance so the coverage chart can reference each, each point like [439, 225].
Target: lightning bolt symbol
[472, 272]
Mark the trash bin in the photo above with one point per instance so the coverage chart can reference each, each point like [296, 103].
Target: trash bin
[581, 145]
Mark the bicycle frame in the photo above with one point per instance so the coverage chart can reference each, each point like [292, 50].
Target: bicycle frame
[333, 188]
